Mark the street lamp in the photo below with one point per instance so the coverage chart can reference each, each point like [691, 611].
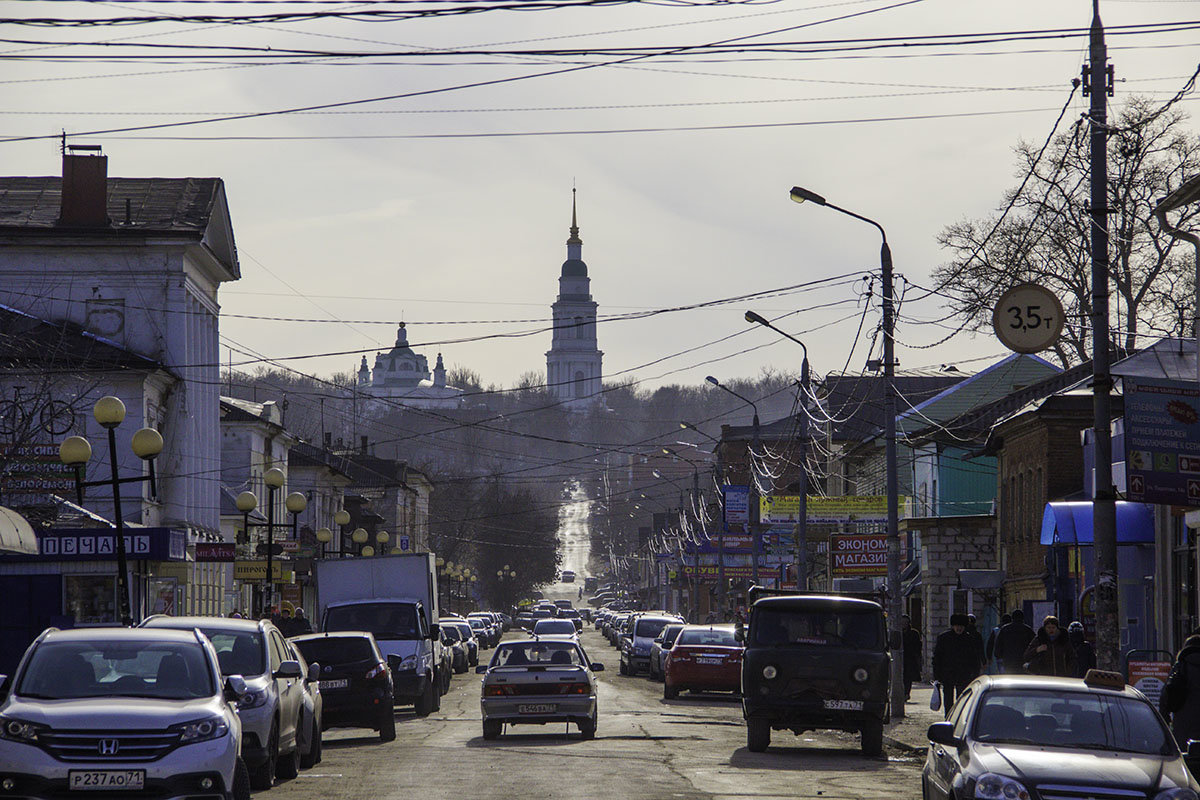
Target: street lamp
[889, 414]
[755, 544]
[295, 503]
[802, 512]
[76, 451]
[719, 472]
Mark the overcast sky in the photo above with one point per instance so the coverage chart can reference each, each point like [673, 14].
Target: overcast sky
[450, 210]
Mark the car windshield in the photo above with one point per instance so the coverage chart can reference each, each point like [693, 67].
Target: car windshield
[1077, 720]
[464, 629]
[334, 650]
[670, 634]
[385, 620]
[789, 626]
[238, 652]
[450, 634]
[553, 626]
[649, 628]
[523, 654]
[151, 669]
[476, 624]
[722, 637]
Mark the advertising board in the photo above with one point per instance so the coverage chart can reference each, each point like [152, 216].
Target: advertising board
[858, 554]
[1162, 441]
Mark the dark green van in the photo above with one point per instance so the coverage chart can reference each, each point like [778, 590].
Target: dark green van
[815, 662]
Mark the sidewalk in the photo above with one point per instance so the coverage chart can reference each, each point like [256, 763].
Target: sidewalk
[911, 732]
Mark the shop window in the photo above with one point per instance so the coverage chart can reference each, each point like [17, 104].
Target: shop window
[90, 599]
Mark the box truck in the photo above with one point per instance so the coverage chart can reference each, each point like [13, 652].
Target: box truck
[396, 599]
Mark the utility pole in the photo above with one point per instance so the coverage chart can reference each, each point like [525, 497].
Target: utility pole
[895, 603]
[1097, 81]
[801, 531]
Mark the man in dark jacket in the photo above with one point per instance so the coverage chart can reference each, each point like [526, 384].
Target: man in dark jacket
[1180, 701]
[1011, 642]
[989, 651]
[1085, 654]
[1050, 652]
[957, 657]
[912, 655]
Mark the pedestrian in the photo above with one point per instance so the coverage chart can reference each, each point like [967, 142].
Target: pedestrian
[1011, 642]
[235, 614]
[956, 660]
[989, 651]
[912, 655]
[1180, 700]
[284, 621]
[1050, 651]
[300, 623]
[973, 630]
[1085, 654]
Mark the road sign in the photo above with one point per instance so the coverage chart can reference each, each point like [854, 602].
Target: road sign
[404, 543]
[1162, 441]
[1028, 318]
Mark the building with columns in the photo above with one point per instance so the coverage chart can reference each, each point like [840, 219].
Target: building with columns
[573, 362]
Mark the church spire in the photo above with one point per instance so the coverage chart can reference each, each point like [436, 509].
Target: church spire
[574, 238]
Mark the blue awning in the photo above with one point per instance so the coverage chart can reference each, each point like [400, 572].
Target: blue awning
[1071, 523]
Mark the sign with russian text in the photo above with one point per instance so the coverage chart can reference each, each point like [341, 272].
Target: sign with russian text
[858, 554]
[737, 504]
[256, 570]
[34, 469]
[1149, 678]
[738, 571]
[216, 551]
[100, 544]
[1162, 441]
[779, 509]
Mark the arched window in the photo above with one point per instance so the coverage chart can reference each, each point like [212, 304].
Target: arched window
[580, 385]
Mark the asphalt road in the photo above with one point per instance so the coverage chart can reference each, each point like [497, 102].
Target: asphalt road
[646, 747]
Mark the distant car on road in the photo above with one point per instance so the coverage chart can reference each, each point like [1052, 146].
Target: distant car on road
[568, 576]
[659, 647]
[635, 648]
[704, 658]
[355, 680]
[554, 627]
[534, 682]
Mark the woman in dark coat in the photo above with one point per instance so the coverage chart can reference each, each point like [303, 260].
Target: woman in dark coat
[1180, 701]
[1050, 652]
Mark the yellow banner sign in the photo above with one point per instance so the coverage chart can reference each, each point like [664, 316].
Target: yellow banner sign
[831, 510]
[256, 570]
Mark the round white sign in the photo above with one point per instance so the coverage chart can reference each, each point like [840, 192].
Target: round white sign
[1028, 318]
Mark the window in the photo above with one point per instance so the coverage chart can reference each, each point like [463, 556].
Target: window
[90, 599]
[104, 668]
[580, 385]
[958, 718]
[276, 651]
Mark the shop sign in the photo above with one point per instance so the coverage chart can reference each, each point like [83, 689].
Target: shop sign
[737, 504]
[1162, 441]
[859, 554]
[34, 469]
[100, 544]
[1149, 678]
[216, 551]
[778, 509]
[737, 571]
[256, 570]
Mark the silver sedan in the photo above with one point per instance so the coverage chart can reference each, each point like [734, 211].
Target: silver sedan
[536, 681]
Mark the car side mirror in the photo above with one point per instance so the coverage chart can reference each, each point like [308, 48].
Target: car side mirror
[235, 688]
[597, 667]
[289, 669]
[481, 669]
[393, 661]
[739, 631]
[942, 733]
[435, 631]
[314, 670]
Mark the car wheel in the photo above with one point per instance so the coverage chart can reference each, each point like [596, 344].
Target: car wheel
[424, 704]
[241, 781]
[308, 760]
[437, 697]
[288, 765]
[491, 729]
[624, 670]
[387, 725]
[872, 737]
[669, 692]
[587, 728]
[263, 776]
[474, 662]
[758, 735]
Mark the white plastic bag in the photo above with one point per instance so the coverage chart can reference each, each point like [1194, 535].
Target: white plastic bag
[935, 699]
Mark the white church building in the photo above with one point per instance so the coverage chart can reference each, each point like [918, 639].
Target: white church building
[573, 362]
[402, 377]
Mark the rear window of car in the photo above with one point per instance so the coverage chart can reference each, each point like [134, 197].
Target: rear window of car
[238, 652]
[524, 654]
[719, 637]
[772, 627]
[336, 649]
[553, 626]
[649, 628]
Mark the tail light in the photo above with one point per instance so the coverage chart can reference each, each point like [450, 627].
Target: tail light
[376, 671]
[574, 688]
[496, 690]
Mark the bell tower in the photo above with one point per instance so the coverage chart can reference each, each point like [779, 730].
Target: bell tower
[573, 362]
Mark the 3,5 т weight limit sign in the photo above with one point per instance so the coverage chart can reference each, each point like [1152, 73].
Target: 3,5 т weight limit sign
[1028, 318]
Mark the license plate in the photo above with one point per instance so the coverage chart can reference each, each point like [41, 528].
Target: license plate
[339, 683]
[100, 780]
[537, 708]
[710, 661]
[844, 705]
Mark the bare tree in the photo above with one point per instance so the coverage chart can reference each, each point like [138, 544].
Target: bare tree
[1044, 237]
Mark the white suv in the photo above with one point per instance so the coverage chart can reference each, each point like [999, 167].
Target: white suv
[134, 712]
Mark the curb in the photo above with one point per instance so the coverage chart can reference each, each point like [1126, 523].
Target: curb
[901, 745]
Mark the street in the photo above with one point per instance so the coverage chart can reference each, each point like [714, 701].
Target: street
[645, 747]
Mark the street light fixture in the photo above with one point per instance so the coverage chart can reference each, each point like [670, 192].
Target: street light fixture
[755, 543]
[295, 503]
[76, 451]
[895, 609]
[802, 512]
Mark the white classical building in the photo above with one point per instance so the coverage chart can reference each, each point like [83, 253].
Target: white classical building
[573, 362]
[402, 377]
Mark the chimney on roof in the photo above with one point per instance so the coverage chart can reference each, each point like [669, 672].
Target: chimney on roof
[84, 187]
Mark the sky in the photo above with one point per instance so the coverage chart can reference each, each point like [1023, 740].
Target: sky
[448, 207]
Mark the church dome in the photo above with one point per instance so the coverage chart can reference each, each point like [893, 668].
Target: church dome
[574, 268]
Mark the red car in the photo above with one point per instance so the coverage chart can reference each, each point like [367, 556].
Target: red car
[704, 658]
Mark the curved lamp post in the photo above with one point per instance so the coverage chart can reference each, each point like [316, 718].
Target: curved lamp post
[76, 451]
[295, 503]
[755, 544]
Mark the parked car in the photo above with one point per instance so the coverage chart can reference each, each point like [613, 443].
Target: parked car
[704, 658]
[554, 627]
[480, 629]
[635, 647]
[121, 712]
[490, 628]
[659, 647]
[271, 710]
[568, 576]
[574, 616]
[453, 644]
[467, 634]
[355, 680]
[1031, 736]
[533, 682]
[814, 662]
[312, 712]
[524, 620]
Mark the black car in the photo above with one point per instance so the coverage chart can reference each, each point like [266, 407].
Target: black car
[815, 662]
[355, 680]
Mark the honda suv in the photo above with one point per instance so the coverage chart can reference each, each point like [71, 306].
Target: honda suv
[134, 713]
[272, 728]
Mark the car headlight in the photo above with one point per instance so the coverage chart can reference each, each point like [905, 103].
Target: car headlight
[253, 699]
[1177, 793]
[18, 730]
[201, 730]
[997, 787]
[861, 675]
[407, 663]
